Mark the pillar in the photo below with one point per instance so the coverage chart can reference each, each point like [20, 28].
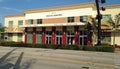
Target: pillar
[64, 35]
[53, 35]
[76, 35]
[26, 35]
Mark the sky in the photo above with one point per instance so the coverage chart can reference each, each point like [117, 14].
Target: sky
[8, 7]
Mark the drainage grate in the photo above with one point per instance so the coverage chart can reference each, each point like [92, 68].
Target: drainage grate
[85, 67]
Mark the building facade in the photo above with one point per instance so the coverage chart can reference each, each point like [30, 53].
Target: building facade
[60, 25]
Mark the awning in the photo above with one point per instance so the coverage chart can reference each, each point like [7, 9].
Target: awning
[48, 25]
[13, 32]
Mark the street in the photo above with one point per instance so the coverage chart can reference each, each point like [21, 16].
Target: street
[37, 58]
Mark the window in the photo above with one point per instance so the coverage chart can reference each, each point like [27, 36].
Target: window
[106, 37]
[30, 21]
[58, 32]
[48, 32]
[83, 32]
[39, 32]
[20, 22]
[10, 36]
[10, 23]
[106, 17]
[83, 19]
[70, 32]
[39, 21]
[19, 37]
[70, 19]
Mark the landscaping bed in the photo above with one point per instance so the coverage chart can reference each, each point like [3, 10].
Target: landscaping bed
[100, 48]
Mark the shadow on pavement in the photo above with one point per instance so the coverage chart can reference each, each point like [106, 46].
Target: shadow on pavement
[17, 64]
[4, 64]
[6, 55]
[5, 61]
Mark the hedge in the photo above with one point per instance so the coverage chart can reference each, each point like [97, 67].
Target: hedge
[102, 48]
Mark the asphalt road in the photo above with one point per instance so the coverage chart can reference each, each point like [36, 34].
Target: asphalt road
[37, 58]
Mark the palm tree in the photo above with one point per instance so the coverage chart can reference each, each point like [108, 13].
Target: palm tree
[2, 30]
[91, 28]
[115, 25]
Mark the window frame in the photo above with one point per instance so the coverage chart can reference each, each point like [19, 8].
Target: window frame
[20, 22]
[106, 17]
[10, 23]
[71, 19]
[39, 21]
[30, 21]
[84, 18]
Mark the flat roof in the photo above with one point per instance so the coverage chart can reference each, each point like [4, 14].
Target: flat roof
[15, 15]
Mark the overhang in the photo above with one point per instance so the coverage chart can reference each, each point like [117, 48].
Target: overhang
[52, 25]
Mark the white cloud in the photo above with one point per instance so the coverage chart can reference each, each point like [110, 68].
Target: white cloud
[11, 9]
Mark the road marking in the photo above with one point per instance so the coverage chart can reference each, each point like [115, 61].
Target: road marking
[63, 60]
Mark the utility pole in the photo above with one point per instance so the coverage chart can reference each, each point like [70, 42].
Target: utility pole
[99, 17]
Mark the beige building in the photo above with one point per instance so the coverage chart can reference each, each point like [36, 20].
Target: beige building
[60, 25]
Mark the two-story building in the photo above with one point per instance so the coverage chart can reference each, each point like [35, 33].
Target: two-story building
[59, 25]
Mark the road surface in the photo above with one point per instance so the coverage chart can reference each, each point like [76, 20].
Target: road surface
[37, 58]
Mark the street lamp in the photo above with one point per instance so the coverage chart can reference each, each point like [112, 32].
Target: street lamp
[99, 17]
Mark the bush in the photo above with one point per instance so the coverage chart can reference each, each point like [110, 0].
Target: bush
[89, 48]
[100, 48]
[108, 49]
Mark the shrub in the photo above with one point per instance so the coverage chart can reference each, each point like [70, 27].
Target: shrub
[108, 49]
[89, 48]
[101, 48]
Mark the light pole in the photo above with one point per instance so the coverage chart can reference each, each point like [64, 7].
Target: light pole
[99, 17]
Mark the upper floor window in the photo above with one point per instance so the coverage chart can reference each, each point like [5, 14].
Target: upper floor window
[70, 19]
[10, 23]
[83, 18]
[20, 22]
[30, 21]
[106, 17]
[39, 21]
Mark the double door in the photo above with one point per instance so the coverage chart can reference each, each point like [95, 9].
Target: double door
[48, 39]
[58, 39]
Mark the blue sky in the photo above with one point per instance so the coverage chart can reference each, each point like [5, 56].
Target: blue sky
[18, 6]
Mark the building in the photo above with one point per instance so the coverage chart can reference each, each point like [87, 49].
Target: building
[60, 25]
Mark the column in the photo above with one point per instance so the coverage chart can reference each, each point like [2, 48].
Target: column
[53, 35]
[64, 35]
[43, 35]
[26, 35]
[76, 35]
[34, 36]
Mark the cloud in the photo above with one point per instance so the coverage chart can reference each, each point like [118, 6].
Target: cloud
[11, 9]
